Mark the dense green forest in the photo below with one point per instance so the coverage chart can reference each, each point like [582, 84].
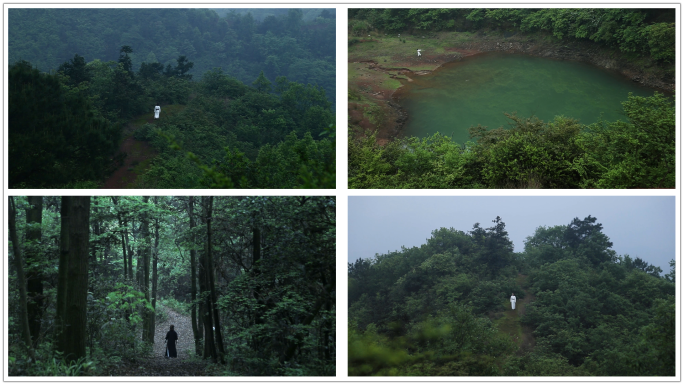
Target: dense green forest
[282, 45]
[214, 131]
[442, 309]
[260, 14]
[96, 282]
[638, 152]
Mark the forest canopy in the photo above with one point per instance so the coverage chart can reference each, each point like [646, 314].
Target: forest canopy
[442, 309]
[284, 45]
[96, 282]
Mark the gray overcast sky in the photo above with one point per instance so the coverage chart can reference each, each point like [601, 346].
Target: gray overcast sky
[638, 226]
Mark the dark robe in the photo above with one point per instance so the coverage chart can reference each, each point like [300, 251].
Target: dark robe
[171, 337]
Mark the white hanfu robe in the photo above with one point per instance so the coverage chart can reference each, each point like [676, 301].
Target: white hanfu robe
[419, 52]
[156, 112]
[513, 299]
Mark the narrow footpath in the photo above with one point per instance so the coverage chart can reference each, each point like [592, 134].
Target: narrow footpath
[510, 324]
[137, 158]
[157, 364]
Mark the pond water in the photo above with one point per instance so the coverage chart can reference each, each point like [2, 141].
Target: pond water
[479, 89]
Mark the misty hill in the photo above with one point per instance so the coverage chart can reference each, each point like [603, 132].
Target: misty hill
[260, 14]
[285, 44]
[443, 308]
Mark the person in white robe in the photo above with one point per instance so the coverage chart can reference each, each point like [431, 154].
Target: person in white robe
[513, 299]
[419, 52]
[156, 112]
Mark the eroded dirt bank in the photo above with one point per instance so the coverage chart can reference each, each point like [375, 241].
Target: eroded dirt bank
[374, 78]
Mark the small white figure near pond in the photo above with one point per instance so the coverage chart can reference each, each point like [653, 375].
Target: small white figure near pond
[419, 52]
[513, 299]
[156, 112]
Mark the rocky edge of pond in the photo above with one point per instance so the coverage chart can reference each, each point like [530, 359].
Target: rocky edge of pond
[649, 74]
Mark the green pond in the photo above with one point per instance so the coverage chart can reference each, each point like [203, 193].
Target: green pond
[479, 89]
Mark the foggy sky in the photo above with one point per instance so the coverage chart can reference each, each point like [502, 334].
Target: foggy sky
[638, 226]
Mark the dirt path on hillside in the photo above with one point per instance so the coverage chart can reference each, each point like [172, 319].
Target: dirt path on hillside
[521, 334]
[527, 342]
[137, 157]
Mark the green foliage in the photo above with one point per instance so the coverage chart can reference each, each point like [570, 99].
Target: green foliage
[646, 32]
[637, 154]
[173, 303]
[244, 142]
[428, 310]
[54, 136]
[46, 362]
[530, 154]
[281, 307]
[303, 49]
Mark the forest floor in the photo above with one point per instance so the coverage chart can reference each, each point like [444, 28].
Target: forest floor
[510, 323]
[156, 364]
[138, 154]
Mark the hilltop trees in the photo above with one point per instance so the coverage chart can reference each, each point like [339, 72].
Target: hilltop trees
[439, 309]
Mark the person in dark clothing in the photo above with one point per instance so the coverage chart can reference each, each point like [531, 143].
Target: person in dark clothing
[171, 337]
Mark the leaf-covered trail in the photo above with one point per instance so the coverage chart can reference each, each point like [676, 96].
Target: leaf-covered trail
[158, 365]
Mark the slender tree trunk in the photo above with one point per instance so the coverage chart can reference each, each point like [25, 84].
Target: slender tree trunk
[205, 292]
[147, 335]
[193, 280]
[212, 285]
[62, 272]
[123, 239]
[77, 277]
[125, 259]
[256, 272]
[34, 275]
[21, 279]
[154, 274]
[130, 250]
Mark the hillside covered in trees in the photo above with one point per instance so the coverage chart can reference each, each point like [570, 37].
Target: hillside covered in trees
[442, 309]
[95, 283]
[557, 153]
[282, 45]
[258, 119]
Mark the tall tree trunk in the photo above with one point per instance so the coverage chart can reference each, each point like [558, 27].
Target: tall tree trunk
[60, 318]
[154, 273]
[123, 238]
[256, 272]
[193, 280]
[21, 279]
[130, 250]
[34, 275]
[77, 277]
[212, 285]
[147, 335]
[205, 292]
